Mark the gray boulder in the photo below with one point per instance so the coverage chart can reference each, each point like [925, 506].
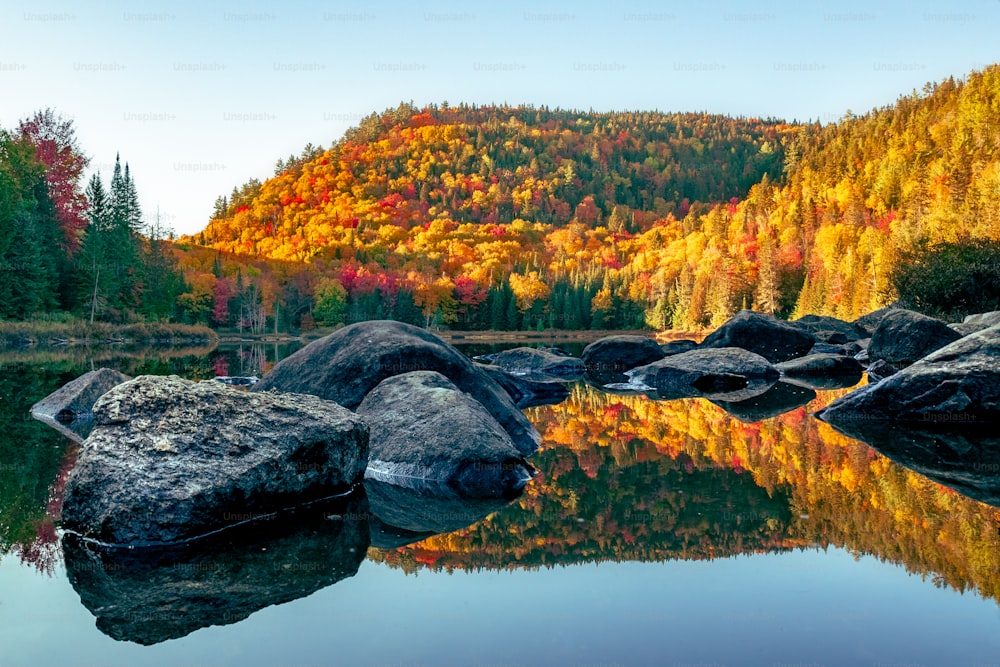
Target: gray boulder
[827, 329]
[978, 322]
[869, 323]
[154, 594]
[678, 346]
[349, 363]
[69, 409]
[169, 459]
[821, 365]
[728, 373]
[880, 370]
[957, 384]
[533, 361]
[425, 430]
[761, 334]
[905, 336]
[620, 353]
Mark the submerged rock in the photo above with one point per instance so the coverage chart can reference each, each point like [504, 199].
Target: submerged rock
[761, 334]
[957, 384]
[78, 396]
[904, 336]
[424, 430]
[347, 364]
[169, 459]
[532, 361]
[153, 594]
[525, 392]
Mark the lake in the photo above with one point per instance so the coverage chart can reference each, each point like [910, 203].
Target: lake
[656, 533]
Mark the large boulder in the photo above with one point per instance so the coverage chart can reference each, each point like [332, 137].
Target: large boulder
[171, 459]
[525, 392]
[346, 365]
[77, 397]
[620, 353]
[761, 334]
[978, 322]
[533, 361]
[827, 329]
[153, 594]
[725, 373]
[425, 430]
[957, 384]
[904, 336]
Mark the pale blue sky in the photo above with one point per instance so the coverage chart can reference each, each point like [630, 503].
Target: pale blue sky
[200, 97]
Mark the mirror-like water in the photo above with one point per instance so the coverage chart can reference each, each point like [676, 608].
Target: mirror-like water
[658, 532]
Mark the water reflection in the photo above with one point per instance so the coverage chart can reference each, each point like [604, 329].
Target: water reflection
[150, 595]
[622, 477]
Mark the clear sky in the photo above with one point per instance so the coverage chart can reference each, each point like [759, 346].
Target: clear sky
[201, 96]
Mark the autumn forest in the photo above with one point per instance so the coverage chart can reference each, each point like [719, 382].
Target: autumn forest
[512, 218]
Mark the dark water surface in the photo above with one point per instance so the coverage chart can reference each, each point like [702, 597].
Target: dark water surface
[657, 533]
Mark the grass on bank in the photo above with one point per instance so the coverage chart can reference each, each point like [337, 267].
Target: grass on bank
[56, 332]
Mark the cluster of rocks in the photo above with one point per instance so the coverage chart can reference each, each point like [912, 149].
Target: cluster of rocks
[168, 460]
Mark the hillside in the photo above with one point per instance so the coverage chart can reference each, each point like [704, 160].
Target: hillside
[512, 217]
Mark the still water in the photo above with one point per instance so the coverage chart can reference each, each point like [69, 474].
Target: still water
[657, 533]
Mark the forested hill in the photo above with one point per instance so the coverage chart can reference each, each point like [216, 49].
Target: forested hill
[523, 217]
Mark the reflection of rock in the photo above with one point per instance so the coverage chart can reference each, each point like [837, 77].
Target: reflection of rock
[529, 360]
[781, 398]
[347, 364]
[171, 459]
[904, 336]
[958, 383]
[965, 458]
[728, 373]
[977, 322]
[761, 334]
[822, 371]
[423, 429]
[401, 515]
[69, 408]
[527, 393]
[152, 594]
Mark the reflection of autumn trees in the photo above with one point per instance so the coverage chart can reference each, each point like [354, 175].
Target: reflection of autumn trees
[626, 478]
